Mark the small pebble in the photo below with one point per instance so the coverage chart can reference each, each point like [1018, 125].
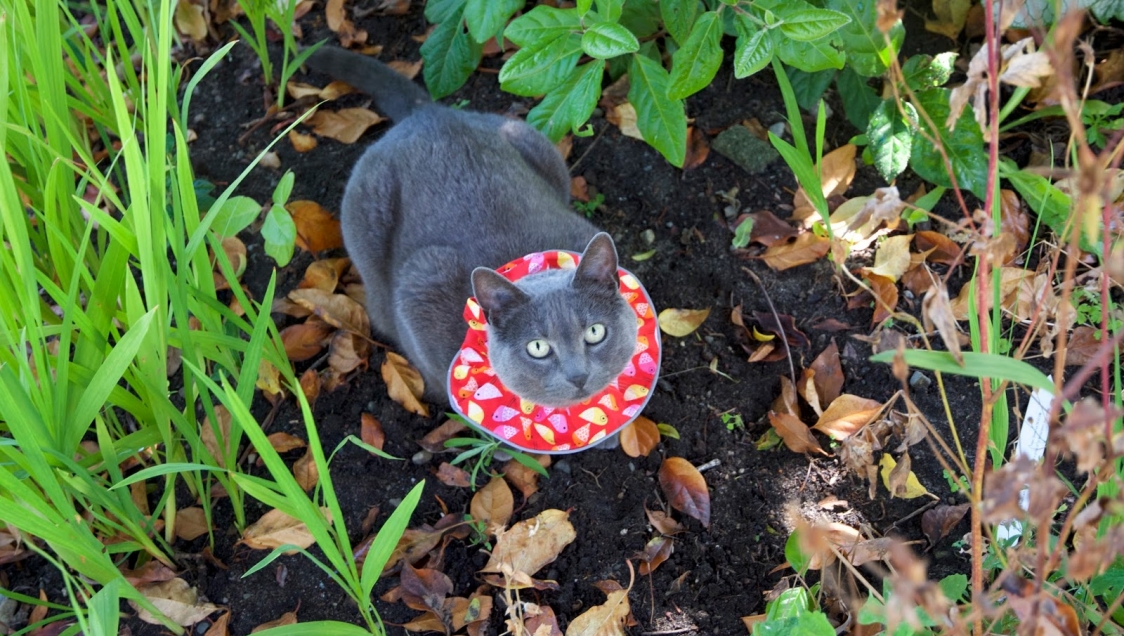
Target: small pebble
[371, 406]
[422, 457]
[664, 385]
[648, 236]
[778, 129]
[919, 380]
[394, 503]
[562, 466]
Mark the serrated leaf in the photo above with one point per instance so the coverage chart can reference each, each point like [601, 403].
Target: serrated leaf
[754, 48]
[891, 138]
[450, 56]
[811, 23]
[535, 71]
[486, 17]
[569, 106]
[280, 234]
[859, 99]
[695, 64]
[610, 9]
[964, 147]
[234, 215]
[679, 17]
[925, 71]
[817, 55]
[660, 119]
[605, 39]
[541, 24]
[437, 11]
[867, 52]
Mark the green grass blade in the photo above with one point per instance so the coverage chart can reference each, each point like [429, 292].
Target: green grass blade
[976, 365]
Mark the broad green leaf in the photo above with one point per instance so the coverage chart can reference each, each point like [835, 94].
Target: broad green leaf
[97, 392]
[450, 56]
[817, 55]
[569, 106]
[660, 119]
[810, 87]
[438, 11]
[925, 71]
[541, 25]
[610, 9]
[642, 17]
[964, 147]
[976, 365]
[284, 188]
[535, 71]
[280, 234]
[583, 6]
[605, 39]
[797, 559]
[485, 18]
[867, 51]
[1051, 205]
[809, 23]
[234, 215]
[891, 137]
[695, 64]
[954, 586]
[754, 48]
[859, 99]
[679, 17]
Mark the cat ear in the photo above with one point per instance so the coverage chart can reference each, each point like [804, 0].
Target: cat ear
[494, 292]
[598, 263]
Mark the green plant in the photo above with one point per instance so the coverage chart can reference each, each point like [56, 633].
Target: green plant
[282, 14]
[797, 155]
[256, 38]
[482, 449]
[626, 36]
[733, 421]
[589, 207]
[278, 229]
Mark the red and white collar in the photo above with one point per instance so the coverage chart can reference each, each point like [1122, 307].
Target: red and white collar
[476, 393]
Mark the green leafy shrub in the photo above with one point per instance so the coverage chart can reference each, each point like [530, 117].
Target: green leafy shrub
[636, 36]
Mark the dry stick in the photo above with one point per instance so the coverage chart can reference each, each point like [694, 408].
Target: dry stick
[587, 150]
[784, 336]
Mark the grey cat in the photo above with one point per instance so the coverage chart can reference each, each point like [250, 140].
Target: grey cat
[439, 201]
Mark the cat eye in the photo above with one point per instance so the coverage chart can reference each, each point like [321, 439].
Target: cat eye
[595, 333]
[538, 348]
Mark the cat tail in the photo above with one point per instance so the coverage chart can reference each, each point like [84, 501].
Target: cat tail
[395, 96]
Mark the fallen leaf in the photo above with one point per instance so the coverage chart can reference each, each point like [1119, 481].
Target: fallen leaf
[538, 620]
[847, 414]
[828, 376]
[215, 440]
[492, 505]
[310, 385]
[805, 248]
[301, 142]
[190, 21]
[663, 523]
[370, 431]
[317, 229]
[579, 189]
[275, 528]
[608, 619]
[685, 488]
[892, 258]
[305, 340]
[288, 618]
[524, 479]
[769, 230]
[899, 479]
[861, 220]
[269, 381]
[175, 599]
[348, 352]
[338, 310]
[409, 70]
[940, 248]
[837, 170]
[869, 550]
[530, 545]
[235, 251]
[404, 384]
[337, 21]
[284, 442]
[886, 293]
[220, 627]
[434, 441]
[656, 551]
[951, 16]
[306, 472]
[623, 117]
[697, 149]
[324, 274]
[1108, 73]
[1014, 221]
[640, 437]
[346, 125]
[682, 322]
[151, 572]
[191, 523]
[451, 475]
[1082, 346]
[936, 311]
[937, 522]
[786, 401]
[796, 434]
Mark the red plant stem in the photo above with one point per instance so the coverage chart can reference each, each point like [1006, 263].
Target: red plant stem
[983, 306]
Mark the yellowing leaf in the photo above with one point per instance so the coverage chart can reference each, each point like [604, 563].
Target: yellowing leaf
[492, 505]
[906, 487]
[346, 125]
[951, 16]
[640, 437]
[796, 434]
[306, 472]
[404, 384]
[847, 414]
[531, 544]
[892, 258]
[317, 229]
[190, 21]
[275, 528]
[302, 142]
[805, 248]
[608, 619]
[191, 523]
[682, 322]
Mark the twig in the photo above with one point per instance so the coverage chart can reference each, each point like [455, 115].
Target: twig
[681, 630]
[593, 143]
[912, 514]
[784, 336]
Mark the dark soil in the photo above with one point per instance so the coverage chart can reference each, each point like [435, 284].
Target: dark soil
[717, 574]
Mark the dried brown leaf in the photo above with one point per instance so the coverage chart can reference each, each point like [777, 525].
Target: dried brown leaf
[663, 523]
[697, 149]
[306, 472]
[656, 551]
[892, 259]
[1082, 346]
[805, 248]
[404, 384]
[175, 599]
[685, 488]
[338, 310]
[284, 442]
[769, 230]
[886, 297]
[828, 376]
[434, 441]
[531, 544]
[846, 415]
[370, 431]
[220, 627]
[608, 619]
[288, 618]
[301, 142]
[492, 505]
[317, 229]
[190, 20]
[525, 480]
[937, 522]
[639, 438]
[275, 528]
[305, 340]
[936, 311]
[786, 401]
[191, 523]
[310, 385]
[796, 434]
[451, 475]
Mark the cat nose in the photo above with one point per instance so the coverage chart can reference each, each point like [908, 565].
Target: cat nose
[577, 378]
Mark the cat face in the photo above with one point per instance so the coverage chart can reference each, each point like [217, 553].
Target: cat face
[559, 337]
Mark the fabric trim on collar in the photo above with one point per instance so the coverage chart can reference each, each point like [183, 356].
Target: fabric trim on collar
[476, 393]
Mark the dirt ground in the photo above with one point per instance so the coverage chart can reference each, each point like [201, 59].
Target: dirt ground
[715, 575]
